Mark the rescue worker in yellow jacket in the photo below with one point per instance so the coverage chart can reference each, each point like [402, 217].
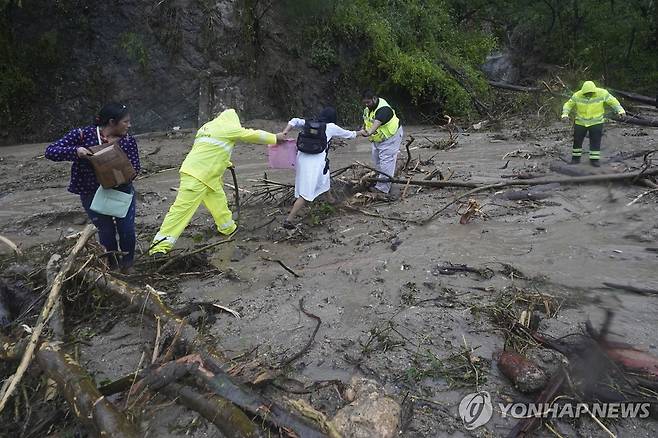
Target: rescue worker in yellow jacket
[589, 103]
[382, 127]
[201, 177]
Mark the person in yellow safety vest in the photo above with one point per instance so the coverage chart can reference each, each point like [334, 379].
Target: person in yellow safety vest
[382, 127]
[201, 177]
[589, 103]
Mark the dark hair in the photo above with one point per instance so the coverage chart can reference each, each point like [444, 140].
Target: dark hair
[368, 94]
[110, 111]
[328, 115]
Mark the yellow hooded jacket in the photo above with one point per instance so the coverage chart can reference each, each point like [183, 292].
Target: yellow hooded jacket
[214, 142]
[590, 111]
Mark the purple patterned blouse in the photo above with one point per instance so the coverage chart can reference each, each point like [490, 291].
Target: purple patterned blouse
[83, 179]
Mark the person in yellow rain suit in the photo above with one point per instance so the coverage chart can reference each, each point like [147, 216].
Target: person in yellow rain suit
[589, 103]
[201, 177]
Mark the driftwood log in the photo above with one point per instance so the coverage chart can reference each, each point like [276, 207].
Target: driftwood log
[231, 421]
[222, 385]
[636, 97]
[77, 387]
[525, 182]
[148, 302]
[636, 120]
[542, 181]
[46, 312]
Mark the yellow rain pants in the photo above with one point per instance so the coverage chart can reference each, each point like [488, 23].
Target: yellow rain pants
[191, 194]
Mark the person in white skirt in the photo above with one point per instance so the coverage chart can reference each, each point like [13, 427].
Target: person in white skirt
[312, 177]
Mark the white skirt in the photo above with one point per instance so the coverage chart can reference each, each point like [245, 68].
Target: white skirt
[310, 182]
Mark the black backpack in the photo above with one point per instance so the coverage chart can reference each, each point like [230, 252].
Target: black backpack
[313, 138]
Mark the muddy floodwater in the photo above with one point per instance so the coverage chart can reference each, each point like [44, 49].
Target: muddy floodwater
[390, 309]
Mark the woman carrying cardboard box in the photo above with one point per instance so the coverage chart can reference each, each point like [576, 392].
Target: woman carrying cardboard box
[110, 128]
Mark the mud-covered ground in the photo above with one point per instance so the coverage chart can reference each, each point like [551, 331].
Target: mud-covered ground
[388, 310]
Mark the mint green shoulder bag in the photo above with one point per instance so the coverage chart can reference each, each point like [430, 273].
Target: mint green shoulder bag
[111, 202]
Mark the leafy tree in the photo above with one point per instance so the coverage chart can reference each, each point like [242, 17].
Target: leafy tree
[407, 49]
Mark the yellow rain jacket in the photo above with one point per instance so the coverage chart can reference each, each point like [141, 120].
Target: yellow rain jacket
[211, 153]
[590, 110]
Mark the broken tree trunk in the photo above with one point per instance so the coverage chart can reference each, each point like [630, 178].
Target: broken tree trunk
[222, 385]
[45, 314]
[231, 421]
[149, 302]
[637, 120]
[89, 406]
[525, 182]
[634, 96]
[228, 418]
[542, 181]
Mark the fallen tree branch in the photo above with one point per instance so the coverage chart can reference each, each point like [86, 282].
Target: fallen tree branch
[222, 385]
[305, 348]
[45, 314]
[425, 183]
[392, 218]
[149, 303]
[365, 166]
[541, 181]
[641, 196]
[636, 120]
[145, 301]
[196, 251]
[11, 245]
[230, 421]
[634, 96]
[89, 406]
[283, 265]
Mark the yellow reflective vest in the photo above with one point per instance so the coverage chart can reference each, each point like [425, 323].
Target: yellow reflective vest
[214, 142]
[386, 130]
[590, 110]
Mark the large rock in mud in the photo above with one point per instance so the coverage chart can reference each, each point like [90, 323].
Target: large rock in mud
[372, 414]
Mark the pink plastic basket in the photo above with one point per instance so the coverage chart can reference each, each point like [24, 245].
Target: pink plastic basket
[282, 156]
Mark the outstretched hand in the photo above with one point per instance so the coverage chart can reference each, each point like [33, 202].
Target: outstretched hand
[362, 133]
[281, 137]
